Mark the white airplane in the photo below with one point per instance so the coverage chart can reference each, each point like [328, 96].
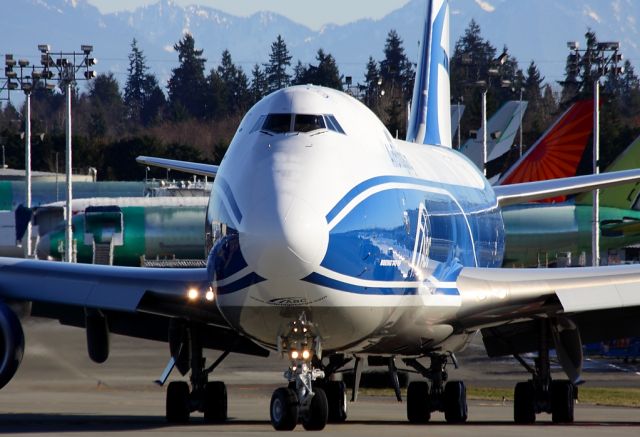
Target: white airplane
[331, 241]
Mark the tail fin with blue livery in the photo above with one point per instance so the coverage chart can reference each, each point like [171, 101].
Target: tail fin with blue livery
[429, 121]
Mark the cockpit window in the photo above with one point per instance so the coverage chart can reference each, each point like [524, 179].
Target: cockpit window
[333, 124]
[281, 123]
[308, 123]
[258, 124]
[277, 123]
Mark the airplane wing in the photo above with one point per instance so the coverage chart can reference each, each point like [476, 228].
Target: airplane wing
[529, 191]
[604, 302]
[183, 166]
[131, 294]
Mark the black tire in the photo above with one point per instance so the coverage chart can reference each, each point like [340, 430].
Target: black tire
[524, 403]
[215, 402]
[336, 392]
[284, 409]
[455, 402]
[318, 414]
[178, 402]
[418, 402]
[562, 401]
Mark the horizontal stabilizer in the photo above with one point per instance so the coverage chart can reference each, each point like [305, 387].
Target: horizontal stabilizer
[530, 191]
[183, 166]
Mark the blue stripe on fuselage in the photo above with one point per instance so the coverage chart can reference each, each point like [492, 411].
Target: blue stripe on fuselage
[324, 281]
[226, 189]
[379, 180]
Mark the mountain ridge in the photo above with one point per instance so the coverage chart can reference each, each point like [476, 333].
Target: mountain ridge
[541, 36]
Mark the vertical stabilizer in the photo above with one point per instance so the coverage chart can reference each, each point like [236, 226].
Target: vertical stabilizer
[558, 152]
[430, 119]
[501, 131]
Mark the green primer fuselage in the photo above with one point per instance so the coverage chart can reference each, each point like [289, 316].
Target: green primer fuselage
[539, 232]
[152, 231]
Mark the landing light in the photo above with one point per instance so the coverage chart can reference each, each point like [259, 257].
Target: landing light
[306, 354]
[192, 294]
[294, 355]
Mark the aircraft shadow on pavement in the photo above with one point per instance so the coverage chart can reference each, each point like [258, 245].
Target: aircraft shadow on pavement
[61, 423]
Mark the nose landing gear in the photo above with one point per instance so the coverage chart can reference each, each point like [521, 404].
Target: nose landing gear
[300, 400]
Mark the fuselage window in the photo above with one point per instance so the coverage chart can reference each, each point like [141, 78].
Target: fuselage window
[308, 123]
[277, 123]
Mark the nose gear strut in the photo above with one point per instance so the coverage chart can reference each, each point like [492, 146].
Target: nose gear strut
[300, 399]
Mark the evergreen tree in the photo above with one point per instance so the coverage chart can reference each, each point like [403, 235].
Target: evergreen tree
[235, 87]
[396, 70]
[276, 68]
[300, 74]
[371, 79]
[187, 83]
[134, 90]
[535, 119]
[327, 73]
[154, 101]
[106, 106]
[470, 63]
[324, 74]
[258, 84]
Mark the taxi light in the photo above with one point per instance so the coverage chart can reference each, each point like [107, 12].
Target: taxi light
[192, 294]
[306, 354]
[294, 355]
[209, 295]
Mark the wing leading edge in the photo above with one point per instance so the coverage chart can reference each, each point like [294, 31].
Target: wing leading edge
[530, 191]
[494, 296]
[183, 166]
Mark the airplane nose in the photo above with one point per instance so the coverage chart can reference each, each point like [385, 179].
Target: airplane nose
[285, 240]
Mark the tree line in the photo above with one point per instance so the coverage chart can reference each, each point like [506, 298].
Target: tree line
[195, 116]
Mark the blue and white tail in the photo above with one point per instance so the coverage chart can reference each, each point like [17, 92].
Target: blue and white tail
[430, 119]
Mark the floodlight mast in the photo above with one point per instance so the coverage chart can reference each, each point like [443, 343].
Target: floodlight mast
[603, 55]
[69, 64]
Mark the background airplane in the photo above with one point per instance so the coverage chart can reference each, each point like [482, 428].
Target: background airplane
[332, 242]
[502, 128]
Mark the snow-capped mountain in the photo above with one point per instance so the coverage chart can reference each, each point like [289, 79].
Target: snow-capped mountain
[532, 29]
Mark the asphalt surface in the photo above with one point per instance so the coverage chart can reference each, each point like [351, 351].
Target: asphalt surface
[58, 390]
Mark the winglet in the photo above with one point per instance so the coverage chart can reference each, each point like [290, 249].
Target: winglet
[429, 121]
[183, 166]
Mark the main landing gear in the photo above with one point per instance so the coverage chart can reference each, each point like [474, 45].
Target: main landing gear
[448, 397]
[541, 393]
[208, 397]
[309, 397]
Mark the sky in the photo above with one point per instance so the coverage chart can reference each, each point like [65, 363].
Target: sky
[313, 14]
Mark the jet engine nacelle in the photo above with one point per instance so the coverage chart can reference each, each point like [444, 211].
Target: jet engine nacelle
[11, 344]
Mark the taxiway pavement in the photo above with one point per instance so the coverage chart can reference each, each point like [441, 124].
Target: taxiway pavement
[58, 390]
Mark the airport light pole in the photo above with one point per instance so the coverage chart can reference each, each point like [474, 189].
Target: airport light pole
[68, 66]
[520, 140]
[26, 80]
[604, 56]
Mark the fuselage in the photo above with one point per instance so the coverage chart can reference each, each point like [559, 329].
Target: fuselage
[317, 210]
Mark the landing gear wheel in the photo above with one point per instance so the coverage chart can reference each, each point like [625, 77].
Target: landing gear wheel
[455, 402]
[418, 402]
[284, 409]
[337, 399]
[524, 403]
[215, 402]
[562, 402]
[316, 417]
[178, 402]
